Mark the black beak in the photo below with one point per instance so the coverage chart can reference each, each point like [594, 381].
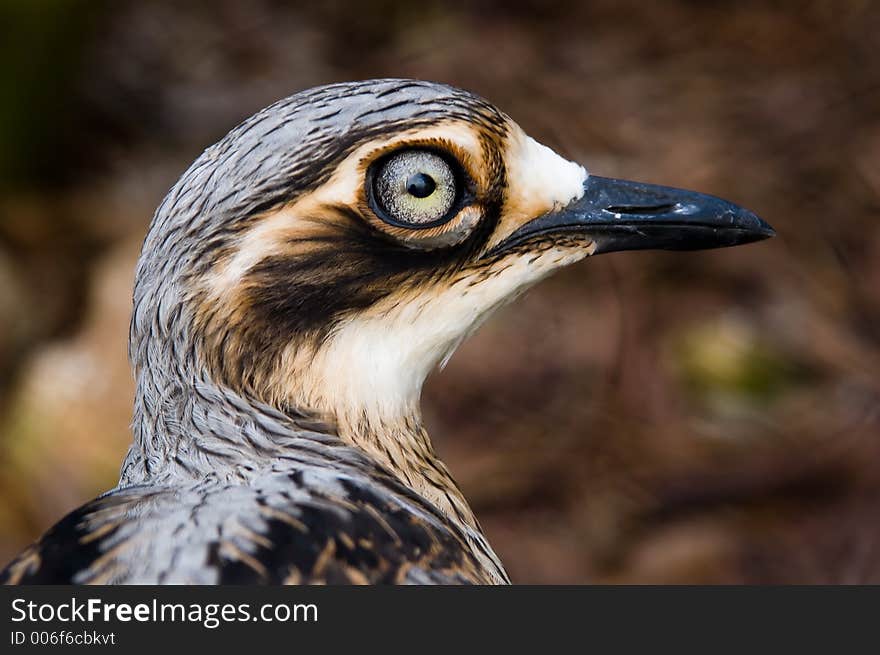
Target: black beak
[623, 215]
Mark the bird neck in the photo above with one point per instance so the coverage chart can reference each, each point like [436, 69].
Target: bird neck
[363, 387]
[193, 428]
[365, 378]
[188, 429]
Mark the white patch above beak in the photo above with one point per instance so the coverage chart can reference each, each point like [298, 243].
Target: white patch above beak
[538, 181]
[535, 171]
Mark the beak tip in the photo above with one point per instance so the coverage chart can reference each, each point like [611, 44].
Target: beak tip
[760, 229]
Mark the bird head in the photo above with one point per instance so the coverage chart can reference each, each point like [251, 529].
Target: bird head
[333, 249]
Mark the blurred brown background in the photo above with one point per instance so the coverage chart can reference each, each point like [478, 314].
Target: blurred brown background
[644, 417]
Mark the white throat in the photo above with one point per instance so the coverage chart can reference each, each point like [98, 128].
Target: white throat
[372, 367]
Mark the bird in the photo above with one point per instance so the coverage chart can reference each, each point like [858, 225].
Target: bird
[295, 288]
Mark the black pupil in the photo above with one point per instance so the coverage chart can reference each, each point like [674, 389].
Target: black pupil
[420, 185]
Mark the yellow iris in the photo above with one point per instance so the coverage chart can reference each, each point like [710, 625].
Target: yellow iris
[416, 187]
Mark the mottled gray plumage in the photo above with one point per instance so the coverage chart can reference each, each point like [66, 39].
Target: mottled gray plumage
[219, 487]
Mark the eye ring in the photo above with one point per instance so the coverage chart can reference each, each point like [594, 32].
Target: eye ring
[420, 185]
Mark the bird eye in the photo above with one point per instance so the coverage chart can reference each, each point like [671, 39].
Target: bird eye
[415, 189]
